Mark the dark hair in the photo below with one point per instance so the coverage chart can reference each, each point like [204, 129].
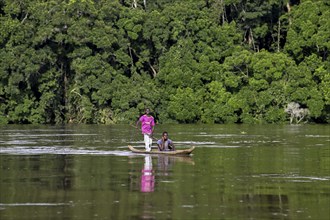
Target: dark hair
[165, 132]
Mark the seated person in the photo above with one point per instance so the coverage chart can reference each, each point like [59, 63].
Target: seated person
[165, 144]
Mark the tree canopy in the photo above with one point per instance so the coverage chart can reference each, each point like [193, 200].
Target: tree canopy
[197, 61]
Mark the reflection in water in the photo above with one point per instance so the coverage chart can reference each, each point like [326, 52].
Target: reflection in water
[147, 177]
[164, 164]
[266, 203]
[147, 185]
[271, 172]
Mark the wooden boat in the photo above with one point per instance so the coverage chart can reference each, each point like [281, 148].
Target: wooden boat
[156, 151]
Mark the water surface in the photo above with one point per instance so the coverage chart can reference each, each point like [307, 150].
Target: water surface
[235, 172]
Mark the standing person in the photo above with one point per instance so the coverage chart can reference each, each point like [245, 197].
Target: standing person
[147, 128]
[165, 144]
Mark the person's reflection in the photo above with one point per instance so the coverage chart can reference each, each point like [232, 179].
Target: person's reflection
[147, 177]
[164, 164]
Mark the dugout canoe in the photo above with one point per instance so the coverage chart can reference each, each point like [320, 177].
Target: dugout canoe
[156, 151]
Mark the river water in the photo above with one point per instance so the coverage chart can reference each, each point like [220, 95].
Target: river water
[235, 172]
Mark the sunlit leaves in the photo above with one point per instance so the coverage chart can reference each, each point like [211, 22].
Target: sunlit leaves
[268, 82]
[216, 106]
[309, 32]
[195, 61]
[184, 105]
[87, 1]
[325, 84]
[7, 26]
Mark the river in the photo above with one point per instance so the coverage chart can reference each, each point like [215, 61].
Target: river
[235, 172]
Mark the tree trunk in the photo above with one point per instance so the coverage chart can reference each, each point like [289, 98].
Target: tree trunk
[278, 34]
[289, 10]
[134, 4]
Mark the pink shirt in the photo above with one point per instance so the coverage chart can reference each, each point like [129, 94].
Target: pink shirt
[147, 122]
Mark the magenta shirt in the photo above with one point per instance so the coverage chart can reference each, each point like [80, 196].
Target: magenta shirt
[147, 122]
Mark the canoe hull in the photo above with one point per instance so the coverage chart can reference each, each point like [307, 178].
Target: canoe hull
[176, 152]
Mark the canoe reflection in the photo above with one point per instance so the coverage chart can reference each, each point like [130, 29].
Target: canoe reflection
[147, 177]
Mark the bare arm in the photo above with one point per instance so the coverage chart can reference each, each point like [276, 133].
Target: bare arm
[160, 147]
[153, 128]
[137, 123]
[172, 146]
[152, 131]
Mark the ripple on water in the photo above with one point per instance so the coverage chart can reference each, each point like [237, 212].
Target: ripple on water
[59, 150]
[33, 204]
[294, 178]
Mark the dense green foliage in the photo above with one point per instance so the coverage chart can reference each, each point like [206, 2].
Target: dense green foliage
[209, 61]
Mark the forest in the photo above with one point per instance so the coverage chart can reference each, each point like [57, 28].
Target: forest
[191, 61]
